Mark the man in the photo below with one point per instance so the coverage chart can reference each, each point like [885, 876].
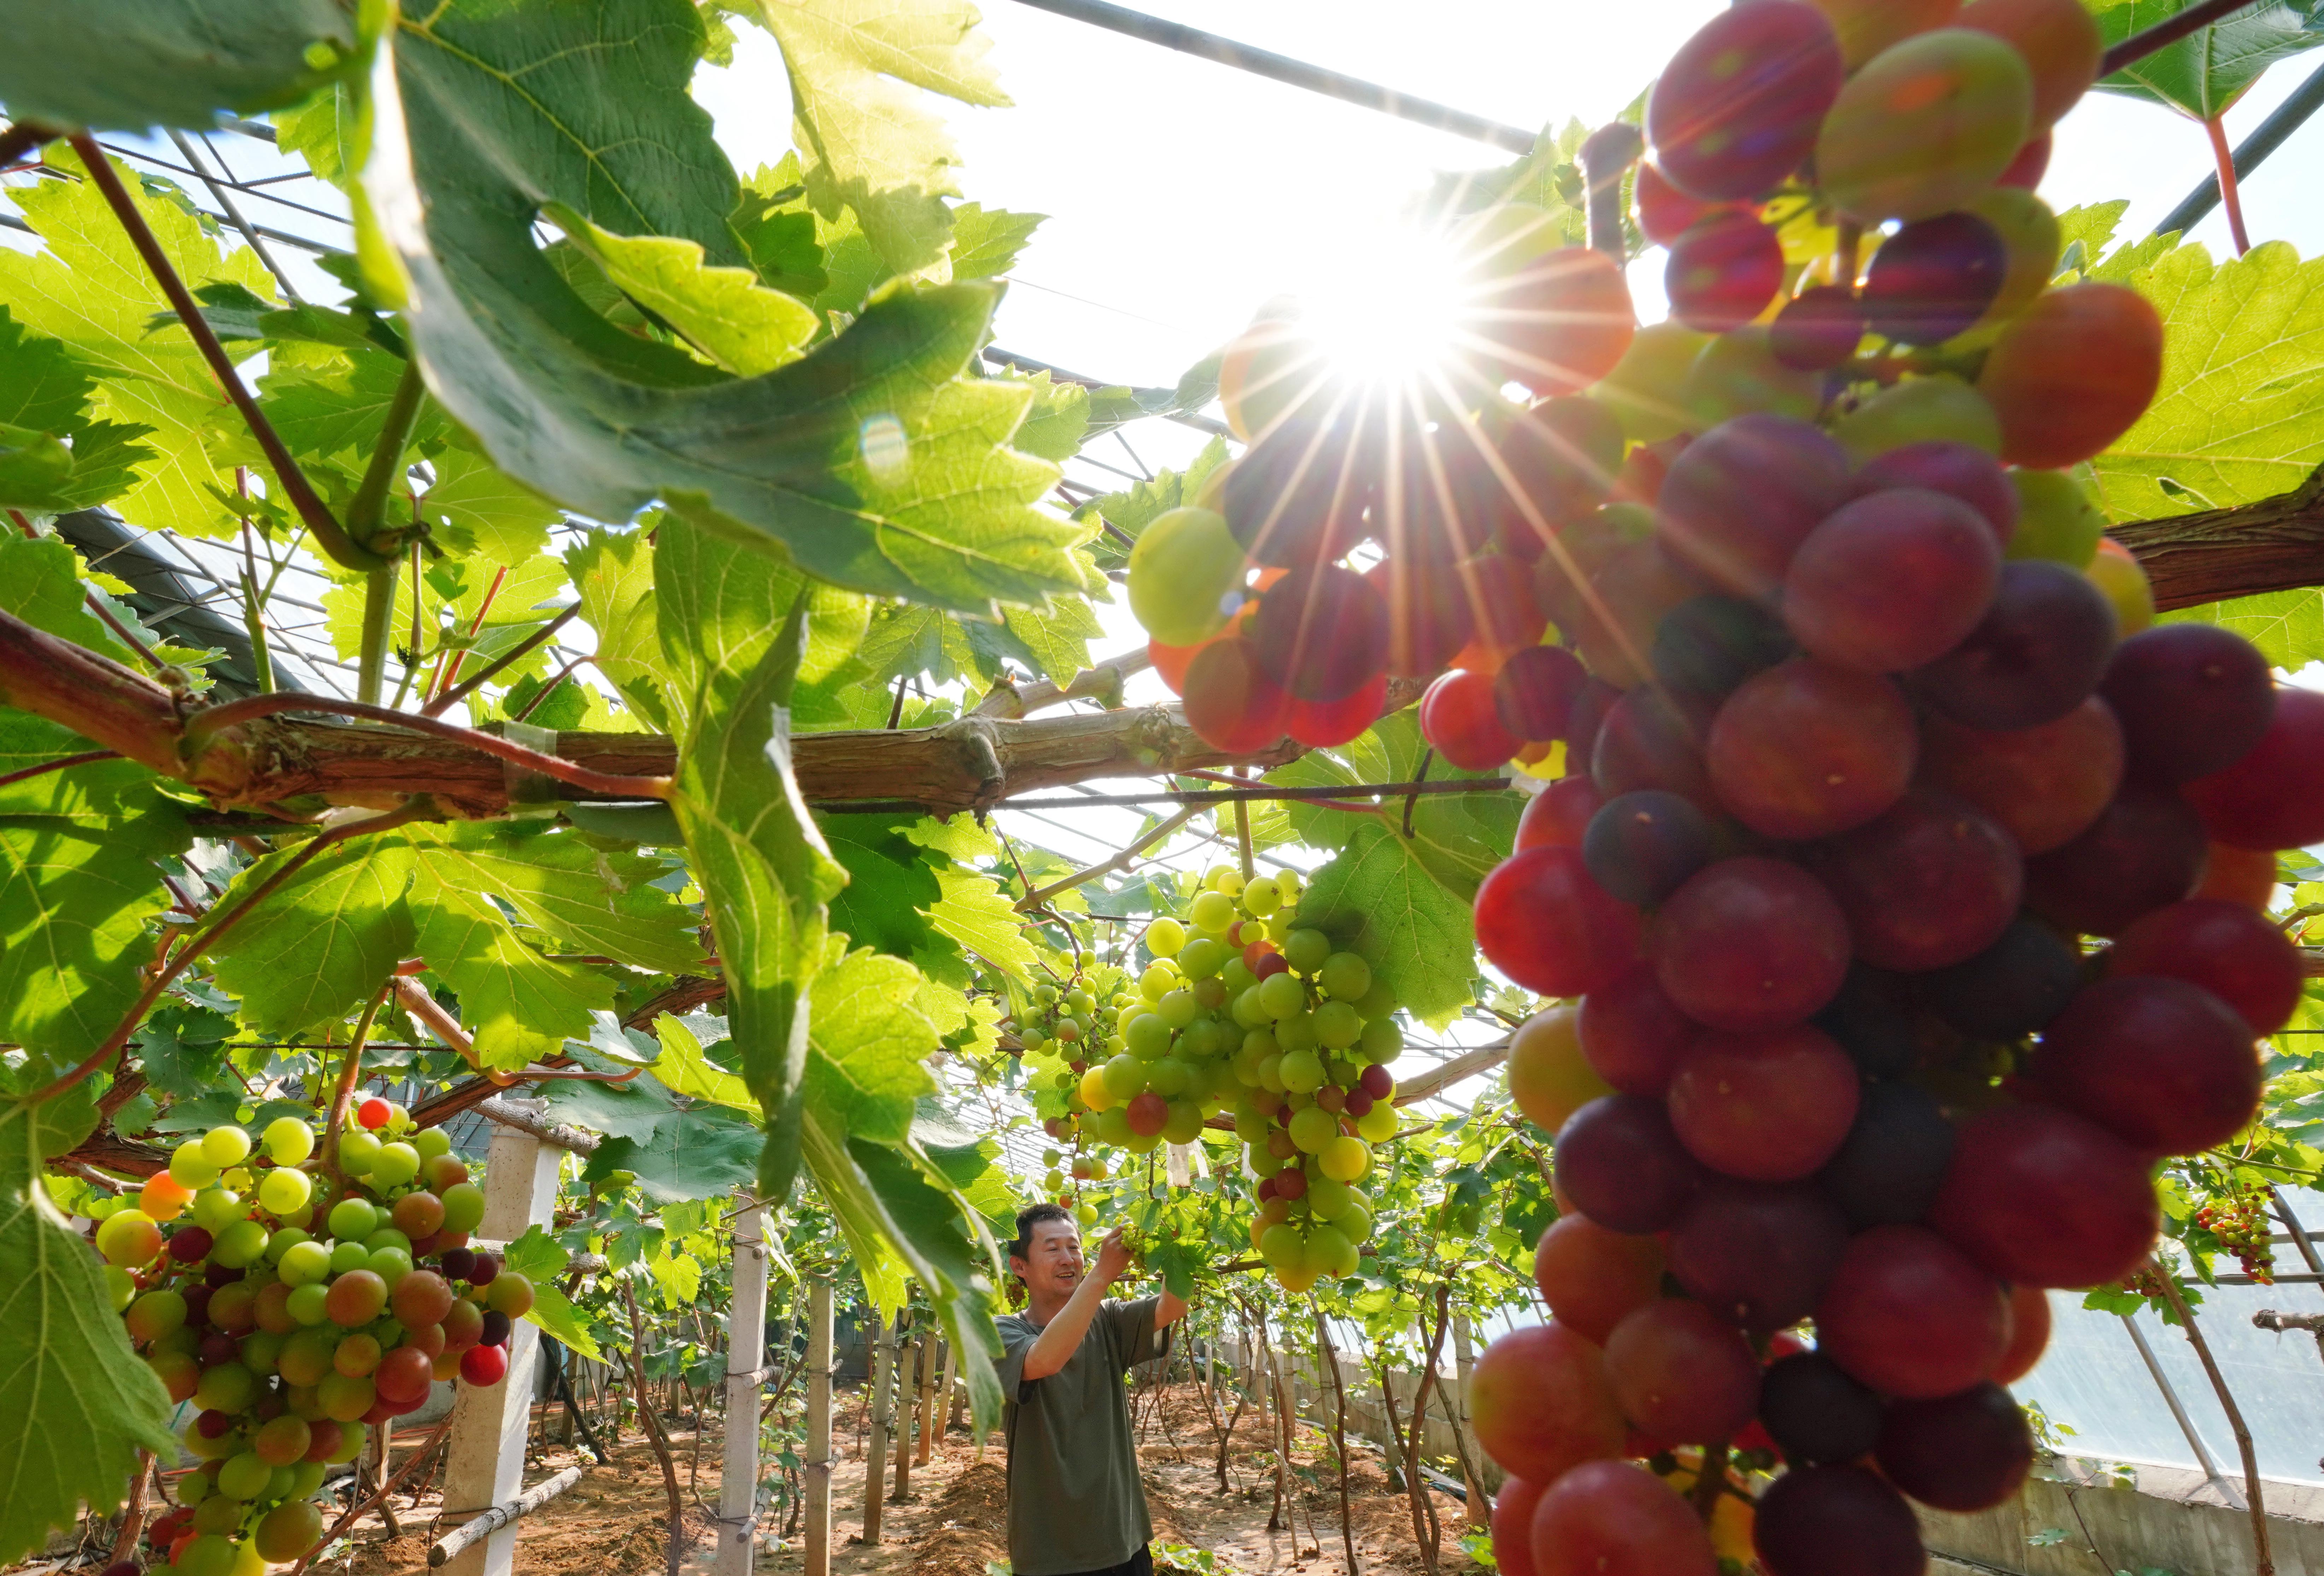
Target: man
[1075, 1502]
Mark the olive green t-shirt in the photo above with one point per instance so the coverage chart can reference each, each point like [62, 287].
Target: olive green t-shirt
[1075, 1502]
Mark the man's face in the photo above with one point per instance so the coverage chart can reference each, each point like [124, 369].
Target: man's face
[1055, 1260]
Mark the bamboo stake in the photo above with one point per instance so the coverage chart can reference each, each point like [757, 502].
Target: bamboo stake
[907, 1411]
[875, 1456]
[818, 1461]
[928, 1397]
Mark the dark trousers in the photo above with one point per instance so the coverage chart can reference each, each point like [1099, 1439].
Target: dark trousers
[1141, 1563]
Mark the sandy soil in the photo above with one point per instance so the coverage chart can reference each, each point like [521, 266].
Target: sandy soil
[616, 1521]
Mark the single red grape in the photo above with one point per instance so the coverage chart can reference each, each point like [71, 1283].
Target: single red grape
[1632, 1033]
[1559, 814]
[1322, 633]
[1750, 944]
[1615, 1518]
[1934, 278]
[2029, 1335]
[1665, 212]
[1815, 1412]
[2230, 949]
[1958, 1453]
[1546, 924]
[2166, 1065]
[1931, 883]
[1592, 1277]
[1512, 1525]
[1621, 1166]
[1737, 107]
[1533, 692]
[1428, 615]
[1911, 1315]
[1770, 1107]
[1895, 579]
[2144, 852]
[1837, 1520]
[1231, 703]
[2013, 988]
[1760, 1253]
[1681, 1373]
[1321, 724]
[2038, 652]
[1652, 740]
[2268, 798]
[1298, 494]
[2044, 784]
[2041, 1195]
[1709, 645]
[1641, 846]
[2192, 699]
[1958, 470]
[1724, 272]
[1540, 1403]
[1808, 749]
[1817, 329]
[1738, 503]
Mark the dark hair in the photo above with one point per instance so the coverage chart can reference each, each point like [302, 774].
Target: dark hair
[1030, 1216]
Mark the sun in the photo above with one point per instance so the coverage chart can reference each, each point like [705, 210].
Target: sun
[1389, 319]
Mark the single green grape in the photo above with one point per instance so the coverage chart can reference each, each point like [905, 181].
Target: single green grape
[2055, 520]
[225, 1145]
[1169, 1077]
[1302, 1072]
[431, 1142]
[357, 1151]
[216, 1208]
[1262, 897]
[1937, 409]
[1202, 957]
[1212, 911]
[1178, 1009]
[290, 1141]
[396, 1165]
[1297, 1032]
[1185, 577]
[1164, 937]
[1281, 995]
[1307, 950]
[283, 1190]
[1346, 976]
[1337, 1024]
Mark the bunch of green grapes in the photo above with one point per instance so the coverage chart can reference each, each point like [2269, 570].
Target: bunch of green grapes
[1242, 1010]
[295, 1307]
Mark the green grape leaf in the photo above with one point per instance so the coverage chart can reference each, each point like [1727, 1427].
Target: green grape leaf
[978, 915]
[77, 1404]
[520, 1006]
[751, 843]
[986, 241]
[592, 901]
[852, 65]
[2287, 626]
[100, 790]
[613, 573]
[703, 1153]
[679, 1278]
[75, 900]
[183, 1050]
[868, 1044]
[338, 409]
[322, 943]
[1456, 838]
[725, 313]
[39, 583]
[1378, 899]
[475, 507]
[869, 462]
[2238, 418]
[897, 1217]
[54, 457]
[687, 1071]
[2204, 73]
[129, 65]
[90, 290]
[618, 1110]
[890, 886]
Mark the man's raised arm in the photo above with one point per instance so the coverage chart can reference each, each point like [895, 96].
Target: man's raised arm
[1062, 1336]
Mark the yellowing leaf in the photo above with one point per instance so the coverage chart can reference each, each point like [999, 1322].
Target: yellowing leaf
[724, 312]
[852, 64]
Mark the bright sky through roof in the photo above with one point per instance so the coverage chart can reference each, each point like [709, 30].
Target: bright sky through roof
[1183, 193]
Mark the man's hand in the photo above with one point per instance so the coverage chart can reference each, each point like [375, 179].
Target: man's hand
[1112, 1258]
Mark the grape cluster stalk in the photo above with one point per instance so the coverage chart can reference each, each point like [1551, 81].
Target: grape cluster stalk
[296, 1306]
[1901, 883]
[1239, 1008]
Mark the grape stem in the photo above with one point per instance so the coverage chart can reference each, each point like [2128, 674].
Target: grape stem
[2263, 1560]
[2231, 197]
[61, 764]
[350, 1071]
[1711, 1481]
[485, 675]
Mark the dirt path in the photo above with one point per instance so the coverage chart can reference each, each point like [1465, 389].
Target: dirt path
[615, 1521]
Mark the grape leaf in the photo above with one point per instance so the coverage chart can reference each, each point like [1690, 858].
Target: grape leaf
[324, 941]
[703, 1153]
[1379, 900]
[133, 64]
[75, 1402]
[889, 887]
[519, 1005]
[724, 312]
[685, 1069]
[75, 899]
[475, 507]
[869, 462]
[1457, 839]
[868, 1045]
[2238, 418]
[60, 460]
[592, 901]
[613, 573]
[986, 241]
[753, 846]
[977, 914]
[852, 65]
[618, 1110]
[90, 290]
[2204, 73]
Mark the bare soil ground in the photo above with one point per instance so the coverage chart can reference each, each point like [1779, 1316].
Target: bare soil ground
[616, 1521]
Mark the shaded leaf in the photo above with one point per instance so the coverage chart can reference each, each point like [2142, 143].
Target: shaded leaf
[2204, 73]
[1379, 900]
[323, 942]
[130, 65]
[75, 899]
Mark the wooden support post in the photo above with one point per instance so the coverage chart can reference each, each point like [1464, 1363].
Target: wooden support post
[746, 1357]
[953, 1391]
[818, 1462]
[907, 1410]
[875, 1455]
[1479, 1503]
[485, 1461]
[929, 1344]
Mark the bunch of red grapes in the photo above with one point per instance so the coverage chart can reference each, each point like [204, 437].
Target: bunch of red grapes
[2240, 1221]
[1912, 881]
